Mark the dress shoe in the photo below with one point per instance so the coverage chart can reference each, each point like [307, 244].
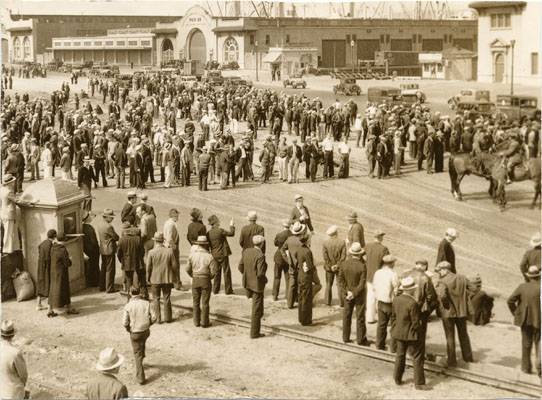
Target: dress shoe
[422, 387]
[347, 341]
[364, 343]
[259, 335]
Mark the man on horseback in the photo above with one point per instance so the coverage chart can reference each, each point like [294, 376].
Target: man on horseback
[512, 155]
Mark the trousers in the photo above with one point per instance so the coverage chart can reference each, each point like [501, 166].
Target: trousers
[257, 312]
[158, 290]
[200, 298]
[280, 268]
[417, 360]
[283, 168]
[139, 340]
[293, 169]
[530, 336]
[223, 268]
[450, 324]
[358, 306]
[330, 277]
[107, 273]
[384, 315]
[370, 314]
[291, 298]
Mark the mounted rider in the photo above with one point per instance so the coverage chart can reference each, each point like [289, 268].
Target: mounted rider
[483, 144]
[513, 154]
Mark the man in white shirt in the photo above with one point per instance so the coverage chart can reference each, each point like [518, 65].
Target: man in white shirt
[344, 153]
[47, 161]
[327, 146]
[385, 283]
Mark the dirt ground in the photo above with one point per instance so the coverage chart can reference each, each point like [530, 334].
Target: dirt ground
[414, 210]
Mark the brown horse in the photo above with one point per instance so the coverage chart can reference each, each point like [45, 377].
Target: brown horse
[521, 173]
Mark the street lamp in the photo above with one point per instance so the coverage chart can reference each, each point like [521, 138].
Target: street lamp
[256, 54]
[352, 53]
[512, 44]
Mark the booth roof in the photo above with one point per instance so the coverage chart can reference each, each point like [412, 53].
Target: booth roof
[53, 192]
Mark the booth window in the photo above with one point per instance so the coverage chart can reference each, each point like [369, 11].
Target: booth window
[231, 50]
[267, 39]
[69, 222]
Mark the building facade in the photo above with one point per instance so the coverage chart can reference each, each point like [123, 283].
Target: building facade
[505, 27]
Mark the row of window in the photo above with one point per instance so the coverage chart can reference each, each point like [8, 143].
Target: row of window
[25, 48]
[501, 20]
[100, 43]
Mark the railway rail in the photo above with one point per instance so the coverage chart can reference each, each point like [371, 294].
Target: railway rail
[511, 385]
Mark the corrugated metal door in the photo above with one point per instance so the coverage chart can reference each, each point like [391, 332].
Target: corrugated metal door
[367, 48]
[333, 53]
[401, 45]
[432, 44]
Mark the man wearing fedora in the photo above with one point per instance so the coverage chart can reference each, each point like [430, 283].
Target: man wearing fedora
[531, 256]
[105, 385]
[13, 372]
[8, 215]
[289, 250]
[524, 304]
[15, 166]
[251, 230]
[44, 269]
[202, 268]
[334, 252]
[375, 252]
[355, 230]
[453, 292]
[161, 275]
[130, 254]
[108, 248]
[220, 250]
[253, 267]
[137, 318]
[91, 248]
[352, 279]
[128, 212]
[281, 264]
[385, 284]
[405, 327]
[446, 251]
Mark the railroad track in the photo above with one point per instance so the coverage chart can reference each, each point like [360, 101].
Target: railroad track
[511, 385]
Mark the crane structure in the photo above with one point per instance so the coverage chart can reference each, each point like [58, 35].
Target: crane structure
[416, 10]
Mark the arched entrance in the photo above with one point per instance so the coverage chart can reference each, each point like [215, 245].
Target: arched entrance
[499, 67]
[167, 50]
[197, 50]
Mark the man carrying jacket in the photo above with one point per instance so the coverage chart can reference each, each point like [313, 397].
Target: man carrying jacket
[253, 267]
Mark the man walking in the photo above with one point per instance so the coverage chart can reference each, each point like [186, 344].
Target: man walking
[202, 268]
[446, 251]
[220, 250]
[352, 279]
[281, 264]
[334, 252]
[454, 307]
[355, 230]
[253, 267]
[137, 319]
[385, 283]
[375, 252]
[108, 248]
[161, 274]
[524, 304]
[405, 325]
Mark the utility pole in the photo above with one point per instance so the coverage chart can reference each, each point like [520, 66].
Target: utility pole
[352, 53]
[512, 44]
[256, 54]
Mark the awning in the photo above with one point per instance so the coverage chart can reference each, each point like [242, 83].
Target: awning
[233, 29]
[165, 30]
[272, 57]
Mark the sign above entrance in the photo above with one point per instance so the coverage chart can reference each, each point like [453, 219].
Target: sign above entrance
[195, 19]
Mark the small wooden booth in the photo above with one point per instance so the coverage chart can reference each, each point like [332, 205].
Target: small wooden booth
[58, 205]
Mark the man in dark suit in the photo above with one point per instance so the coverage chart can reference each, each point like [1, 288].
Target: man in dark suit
[253, 267]
[44, 269]
[352, 279]
[195, 227]
[375, 252]
[121, 161]
[405, 327]
[281, 264]
[355, 230]
[307, 287]
[128, 212]
[106, 385]
[91, 248]
[130, 255]
[108, 248]
[300, 213]
[446, 251]
[524, 304]
[251, 230]
[220, 250]
[334, 252]
[453, 292]
[531, 256]
[85, 177]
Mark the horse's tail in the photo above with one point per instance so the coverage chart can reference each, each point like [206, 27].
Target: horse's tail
[452, 172]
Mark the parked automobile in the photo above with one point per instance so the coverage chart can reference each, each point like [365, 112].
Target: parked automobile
[468, 95]
[213, 77]
[476, 108]
[295, 81]
[411, 93]
[124, 80]
[347, 86]
[230, 65]
[517, 107]
[389, 94]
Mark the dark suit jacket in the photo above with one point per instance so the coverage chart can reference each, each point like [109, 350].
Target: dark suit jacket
[248, 232]
[85, 176]
[108, 239]
[524, 303]
[106, 386]
[127, 211]
[446, 253]
[295, 215]
[280, 239]
[218, 241]
[333, 251]
[130, 251]
[374, 253]
[90, 241]
[44, 267]
[353, 277]
[195, 229]
[355, 234]
[253, 267]
[531, 257]
[405, 318]
[303, 255]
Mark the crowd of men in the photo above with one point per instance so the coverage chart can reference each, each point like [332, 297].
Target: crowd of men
[198, 132]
